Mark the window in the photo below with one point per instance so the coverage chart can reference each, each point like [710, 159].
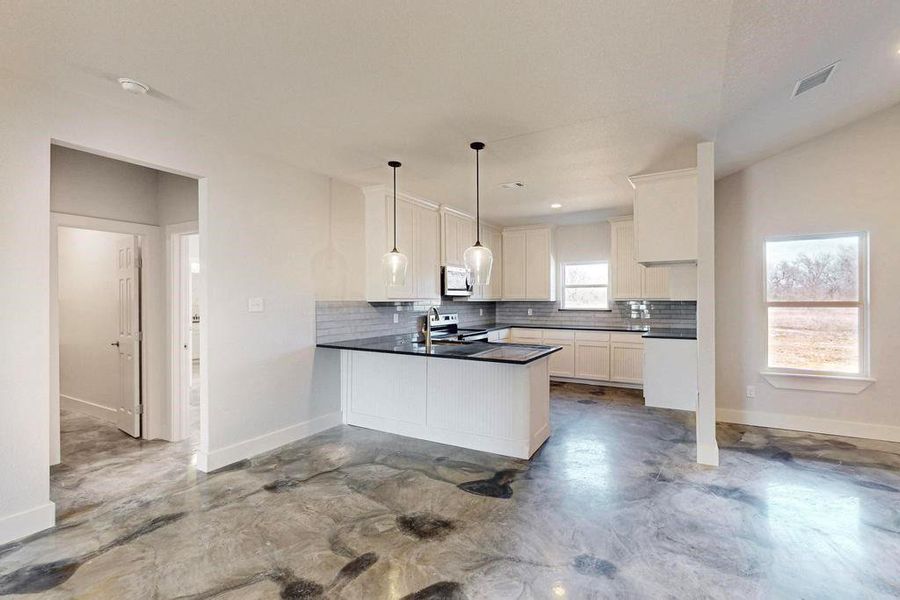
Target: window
[585, 286]
[816, 302]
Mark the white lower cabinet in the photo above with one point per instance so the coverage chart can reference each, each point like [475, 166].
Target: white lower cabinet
[616, 357]
[626, 358]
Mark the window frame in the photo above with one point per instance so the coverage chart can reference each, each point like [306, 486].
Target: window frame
[563, 286]
[862, 304]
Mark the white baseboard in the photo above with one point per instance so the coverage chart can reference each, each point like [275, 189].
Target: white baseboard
[873, 431]
[216, 459]
[27, 522]
[87, 407]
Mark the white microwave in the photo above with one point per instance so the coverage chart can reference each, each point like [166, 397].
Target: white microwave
[456, 281]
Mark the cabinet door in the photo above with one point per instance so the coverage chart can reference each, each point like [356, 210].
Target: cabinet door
[655, 283]
[537, 256]
[627, 281]
[406, 215]
[514, 265]
[626, 362]
[562, 363]
[491, 239]
[450, 239]
[427, 256]
[592, 360]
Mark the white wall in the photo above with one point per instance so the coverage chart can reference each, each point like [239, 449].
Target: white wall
[261, 222]
[339, 264]
[848, 180]
[88, 365]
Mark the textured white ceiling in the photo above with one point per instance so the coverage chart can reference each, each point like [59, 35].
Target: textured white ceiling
[570, 97]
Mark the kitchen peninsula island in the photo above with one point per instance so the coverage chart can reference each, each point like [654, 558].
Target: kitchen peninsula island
[478, 395]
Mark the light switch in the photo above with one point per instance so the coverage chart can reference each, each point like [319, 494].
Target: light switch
[530, 312]
[396, 318]
[256, 305]
[480, 312]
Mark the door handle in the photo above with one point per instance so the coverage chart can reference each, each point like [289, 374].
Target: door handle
[116, 344]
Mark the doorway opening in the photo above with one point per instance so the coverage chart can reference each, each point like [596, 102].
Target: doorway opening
[111, 308]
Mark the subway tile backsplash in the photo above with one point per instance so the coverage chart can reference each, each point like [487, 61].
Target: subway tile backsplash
[656, 313]
[336, 321]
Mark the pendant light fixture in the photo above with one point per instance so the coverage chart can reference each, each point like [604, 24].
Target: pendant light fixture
[393, 264]
[478, 259]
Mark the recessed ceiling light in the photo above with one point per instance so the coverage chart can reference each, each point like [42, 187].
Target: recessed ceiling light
[133, 86]
[511, 185]
[556, 205]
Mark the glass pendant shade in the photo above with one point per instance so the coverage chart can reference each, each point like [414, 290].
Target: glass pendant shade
[393, 267]
[479, 260]
[393, 264]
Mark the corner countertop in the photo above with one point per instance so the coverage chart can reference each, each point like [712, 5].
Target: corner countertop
[671, 333]
[664, 333]
[623, 328]
[412, 345]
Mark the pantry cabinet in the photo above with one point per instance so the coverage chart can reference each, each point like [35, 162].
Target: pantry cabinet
[528, 264]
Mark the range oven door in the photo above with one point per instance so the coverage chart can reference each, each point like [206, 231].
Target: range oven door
[456, 281]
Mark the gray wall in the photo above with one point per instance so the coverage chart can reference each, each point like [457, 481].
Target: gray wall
[95, 186]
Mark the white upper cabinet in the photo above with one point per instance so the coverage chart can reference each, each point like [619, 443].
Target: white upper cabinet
[631, 280]
[457, 234]
[513, 265]
[627, 274]
[665, 217]
[492, 239]
[528, 264]
[418, 237]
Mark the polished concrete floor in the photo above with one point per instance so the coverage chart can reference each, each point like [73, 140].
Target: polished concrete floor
[612, 506]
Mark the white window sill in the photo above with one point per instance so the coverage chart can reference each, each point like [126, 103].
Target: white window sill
[838, 384]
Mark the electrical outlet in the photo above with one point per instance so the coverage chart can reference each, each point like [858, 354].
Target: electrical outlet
[399, 308]
[480, 312]
[530, 312]
[256, 305]
[396, 318]
[751, 391]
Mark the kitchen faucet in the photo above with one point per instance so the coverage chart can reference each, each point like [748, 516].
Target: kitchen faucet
[431, 309]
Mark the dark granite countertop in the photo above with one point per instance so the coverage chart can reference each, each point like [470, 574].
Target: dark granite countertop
[411, 344]
[622, 328]
[648, 332]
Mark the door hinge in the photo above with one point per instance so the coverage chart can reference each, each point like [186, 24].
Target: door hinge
[140, 336]
[140, 409]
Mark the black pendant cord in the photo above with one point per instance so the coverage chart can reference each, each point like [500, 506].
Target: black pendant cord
[394, 164]
[478, 147]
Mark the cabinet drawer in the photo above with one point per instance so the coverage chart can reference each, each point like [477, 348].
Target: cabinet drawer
[591, 336]
[532, 335]
[628, 338]
[559, 335]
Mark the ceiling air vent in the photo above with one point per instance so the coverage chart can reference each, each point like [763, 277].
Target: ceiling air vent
[814, 80]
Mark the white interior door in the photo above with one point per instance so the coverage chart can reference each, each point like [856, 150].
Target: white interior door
[129, 339]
